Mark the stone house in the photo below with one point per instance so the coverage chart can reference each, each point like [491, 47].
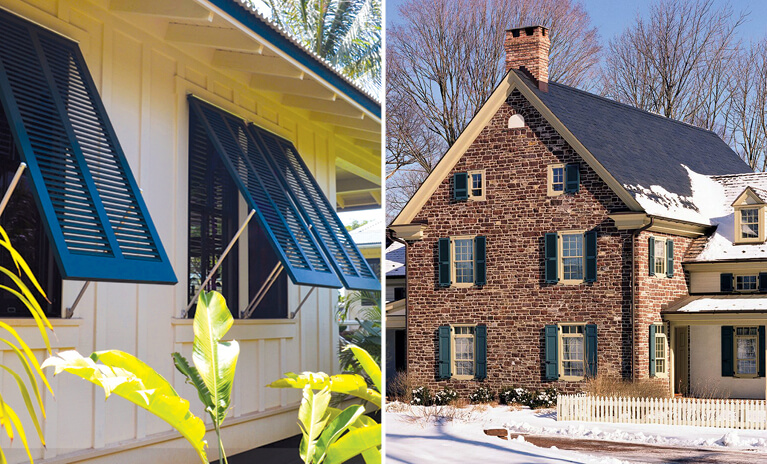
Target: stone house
[562, 236]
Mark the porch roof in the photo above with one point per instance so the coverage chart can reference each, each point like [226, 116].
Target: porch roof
[696, 304]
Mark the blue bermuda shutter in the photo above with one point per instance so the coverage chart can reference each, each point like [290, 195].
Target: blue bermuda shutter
[95, 217]
[572, 178]
[480, 335]
[277, 215]
[762, 282]
[726, 283]
[669, 258]
[551, 345]
[443, 266]
[728, 367]
[760, 354]
[591, 350]
[551, 271]
[652, 350]
[651, 255]
[480, 261]
[590, 238]
[443, 371]
[460, 186]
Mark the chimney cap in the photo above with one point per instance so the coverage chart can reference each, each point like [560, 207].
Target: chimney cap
[528, 30]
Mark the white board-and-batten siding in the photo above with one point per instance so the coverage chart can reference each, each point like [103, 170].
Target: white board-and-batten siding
[144, 82]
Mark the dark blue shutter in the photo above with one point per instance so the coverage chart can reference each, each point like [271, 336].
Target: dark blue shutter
[591, 350]
[443, 371]
[331, 234]
[669, 258]
[83, 185]
[480, 266]
[762, 282]
[652, 350]
[480, 334]
[551, 344]
[277, 215]
[460, 186]
[443, 252]
[572, 178]
[760, 353]
[728, 367]
[651, 255]
[551, 265]
[590, 238]
[726, 283]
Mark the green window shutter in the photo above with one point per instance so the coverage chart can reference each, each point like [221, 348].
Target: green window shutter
[591, 256]
[572, 178]
[460, 186]
[443, 249]
[652, 350]
[480, 262]
[726, 283]
[763, 282]
[651, 255]
[443, 372]
[728, 367]
[551, 257]
[760, 354]
[591, 350]
[480, 338]
[669, 258]
[551, 355]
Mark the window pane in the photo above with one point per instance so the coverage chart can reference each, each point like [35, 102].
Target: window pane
[746, 347]
[660, 257]
[572, 348]
[464, 260]
[572, 256]
[745, 283]
[558, 179]
[476, 184]
[749, 223]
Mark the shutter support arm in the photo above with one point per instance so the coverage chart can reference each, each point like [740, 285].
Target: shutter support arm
[261, 293]
[71, 309]
[12, 187]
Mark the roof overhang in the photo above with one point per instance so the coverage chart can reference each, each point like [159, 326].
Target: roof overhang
[717, 317]
[396, 314]
[632, 220]
[730, 265]
[408, 231]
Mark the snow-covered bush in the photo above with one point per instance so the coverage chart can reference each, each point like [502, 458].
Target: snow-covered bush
[531, 398]
[421, 397]
[514, 395]
[481, 395]
[543, 399]
[445, 396]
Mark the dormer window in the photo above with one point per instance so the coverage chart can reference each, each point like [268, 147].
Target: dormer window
[749, 223]
[749, 217]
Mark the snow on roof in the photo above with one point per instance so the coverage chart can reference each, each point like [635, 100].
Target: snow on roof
[394, 266]
[725, 303]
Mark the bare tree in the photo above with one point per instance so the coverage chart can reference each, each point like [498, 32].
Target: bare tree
[746, 116]
[445, 59]
[676, 62]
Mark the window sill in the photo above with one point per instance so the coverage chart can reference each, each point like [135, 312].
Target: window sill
[570, 282]
[242, 329]
[746, 376]
[462, 285]
[661, 375]
[463, 377]
[571, 379]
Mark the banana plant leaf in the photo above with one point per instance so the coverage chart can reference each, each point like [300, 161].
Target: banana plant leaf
[312, 419]
[348, 384]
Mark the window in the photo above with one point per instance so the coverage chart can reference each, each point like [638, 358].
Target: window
[746, 351]
[477, 185]
[749, 223]
[660, 252]
[463, 261]
[399, 293]
[573, 349]
[659, 260]
[570, 351]
[745, 283]
[556, 179]
[660, 350]
[463, 350]
[571, 256]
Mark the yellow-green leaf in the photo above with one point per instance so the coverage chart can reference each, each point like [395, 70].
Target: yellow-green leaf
[353, 443]
[368, 364]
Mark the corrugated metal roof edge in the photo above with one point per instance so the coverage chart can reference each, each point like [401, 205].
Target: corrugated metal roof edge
[251, 19]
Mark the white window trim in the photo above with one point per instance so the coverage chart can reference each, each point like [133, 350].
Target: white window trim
[452, 350]
[661, 325]
[738, 237]
[560, 350]
[550, 180]
[735, 283]
[561, 262]
[481, 172]
[664, 274]
[454, 281]
[735, 338]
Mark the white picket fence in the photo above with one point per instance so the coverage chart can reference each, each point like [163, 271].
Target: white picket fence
[739, 414]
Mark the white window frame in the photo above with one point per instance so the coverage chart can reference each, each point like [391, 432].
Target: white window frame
[560, 351]
[560, 257]
[550, 180]
[660, 258]
[661, 339]
[735, 359]
[453, 336]
[483, 183]
[739, 224]
[749, 290]
[453, 279]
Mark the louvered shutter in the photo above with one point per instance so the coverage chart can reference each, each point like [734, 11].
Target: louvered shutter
[762, 282]
[728, 367]
[551, 344]
[460, 186]
[443, 252]
[726, 283]
[651, 255]
[94, 213]
[480, 335]
[652, 350]
[669, 258]
[572, 178]
[590, 238]
[443, 370]
[760, 354]
[551, 264]
[480, 266]
[591, 350]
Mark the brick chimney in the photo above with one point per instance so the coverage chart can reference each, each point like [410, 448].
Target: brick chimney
[528, 48]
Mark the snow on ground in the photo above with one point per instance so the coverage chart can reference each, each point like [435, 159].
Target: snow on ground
[411, 438]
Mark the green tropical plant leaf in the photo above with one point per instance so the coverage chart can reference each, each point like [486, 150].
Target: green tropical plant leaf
[372, 455]
[368, 364]
[193, 378]
[125, 375]
[312, 418]
[27, 402]
[347, 384]
[20, 429]
[353, 443]
[337, 425]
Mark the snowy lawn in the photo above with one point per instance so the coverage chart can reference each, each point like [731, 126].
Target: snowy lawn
[441, 434]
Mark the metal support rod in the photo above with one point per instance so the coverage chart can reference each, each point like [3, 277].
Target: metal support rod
[218, 263]
[261, 293]
[71, 309]
[293, 314]
[12, 187]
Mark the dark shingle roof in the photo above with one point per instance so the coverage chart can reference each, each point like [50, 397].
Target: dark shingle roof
[395, 258]
[638, 147]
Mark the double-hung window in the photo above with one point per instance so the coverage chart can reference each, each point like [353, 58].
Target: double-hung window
[572, 257]
[749, 223]
[660, 252]
[746, 283]
[462, 261]
[463, 348]
[746, 351]
[462, 352]
[556, 179]
[659, 261]
[658, 350]
[469, 185]
[570, 351]
[563, 178]
[477, 190]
